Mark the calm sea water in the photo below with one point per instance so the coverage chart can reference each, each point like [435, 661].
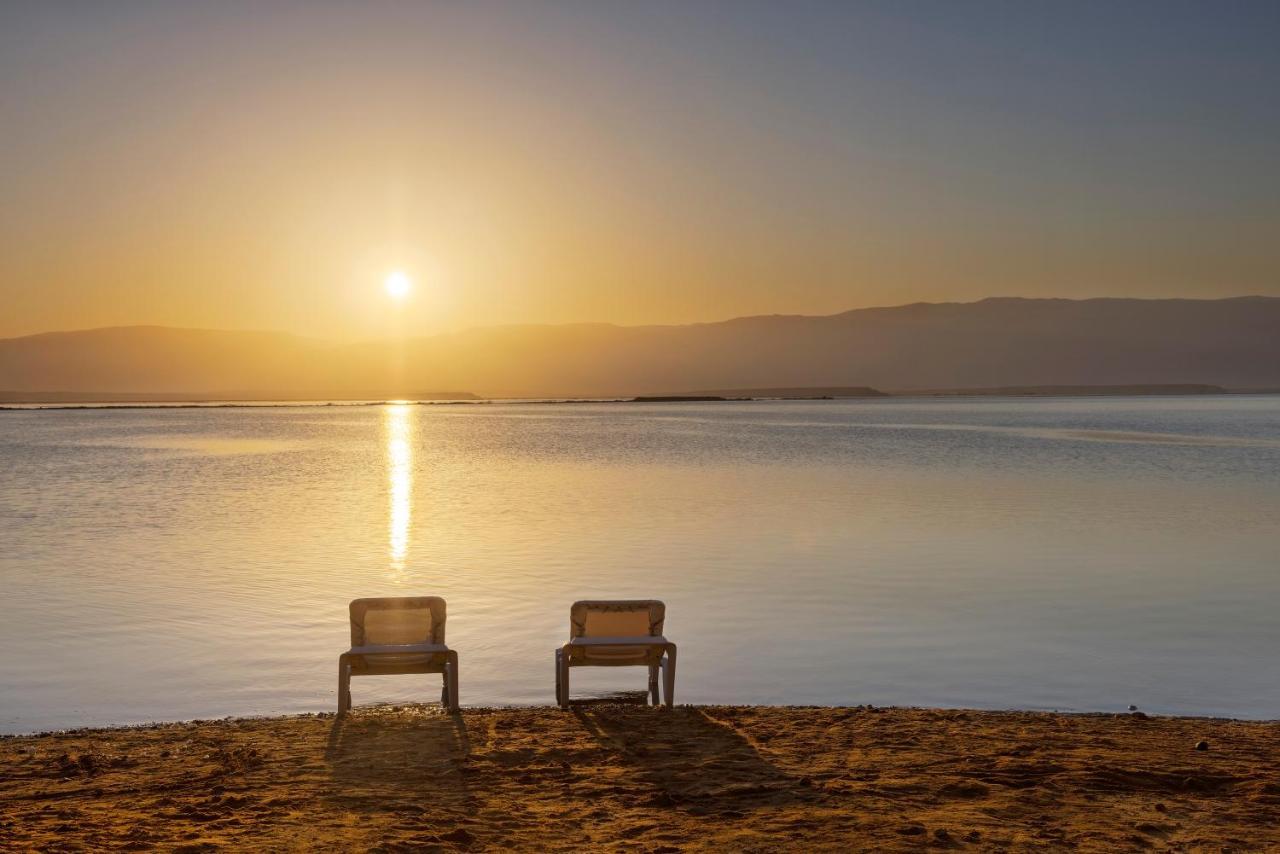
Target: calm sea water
[1070, 554]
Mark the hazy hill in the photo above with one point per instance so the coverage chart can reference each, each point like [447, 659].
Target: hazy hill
[155, 359]
[995, 342]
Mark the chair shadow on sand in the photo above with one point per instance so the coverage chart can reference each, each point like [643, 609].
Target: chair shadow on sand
[694, 762]
[411, 757]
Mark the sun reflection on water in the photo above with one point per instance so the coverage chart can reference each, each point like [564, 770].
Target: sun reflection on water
[400, 482]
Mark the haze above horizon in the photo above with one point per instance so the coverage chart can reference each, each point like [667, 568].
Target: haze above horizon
[269, 166]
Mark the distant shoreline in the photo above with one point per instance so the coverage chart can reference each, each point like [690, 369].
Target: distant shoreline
[22, 401]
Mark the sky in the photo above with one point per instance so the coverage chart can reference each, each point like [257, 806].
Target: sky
[264, 165]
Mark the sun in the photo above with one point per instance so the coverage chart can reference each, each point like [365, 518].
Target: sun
[398, 284]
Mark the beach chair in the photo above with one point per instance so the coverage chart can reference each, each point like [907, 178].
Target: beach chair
[398, 635]
[618, 634]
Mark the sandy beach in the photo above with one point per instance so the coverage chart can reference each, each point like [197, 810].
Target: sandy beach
[635, 778]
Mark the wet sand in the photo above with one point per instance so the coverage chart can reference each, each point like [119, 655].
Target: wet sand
[629, 777]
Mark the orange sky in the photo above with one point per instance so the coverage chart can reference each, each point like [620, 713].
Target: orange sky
[264, 165]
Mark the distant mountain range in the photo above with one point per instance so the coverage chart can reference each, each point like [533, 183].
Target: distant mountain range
[1008, 342]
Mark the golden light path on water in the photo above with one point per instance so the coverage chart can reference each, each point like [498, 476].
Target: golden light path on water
[399, 428]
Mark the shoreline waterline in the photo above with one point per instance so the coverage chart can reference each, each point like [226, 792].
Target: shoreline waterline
[639, 702]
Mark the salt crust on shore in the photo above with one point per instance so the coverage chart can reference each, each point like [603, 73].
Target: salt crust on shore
[626, 777]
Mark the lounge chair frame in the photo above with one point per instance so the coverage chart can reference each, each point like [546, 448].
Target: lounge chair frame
[650, 650]
[376, 659]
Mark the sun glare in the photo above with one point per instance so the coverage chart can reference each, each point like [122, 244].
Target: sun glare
[398, 285]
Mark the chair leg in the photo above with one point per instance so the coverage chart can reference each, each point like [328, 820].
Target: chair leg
[453, 681]
[444, 687]
[562, 669]
[344, 685]
[669, 676]
[558, 699]
[653, 684]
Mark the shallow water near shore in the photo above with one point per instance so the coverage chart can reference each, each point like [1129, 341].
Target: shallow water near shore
[1075, 554]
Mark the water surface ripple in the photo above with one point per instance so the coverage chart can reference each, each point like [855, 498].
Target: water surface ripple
[1069, 553]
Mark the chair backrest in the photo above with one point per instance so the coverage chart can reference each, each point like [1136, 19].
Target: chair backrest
[628, 618]
[397, 620]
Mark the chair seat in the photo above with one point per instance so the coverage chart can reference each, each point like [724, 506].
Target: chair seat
[620, 650]
[397, 649]
[629, 640]
[397, 658]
